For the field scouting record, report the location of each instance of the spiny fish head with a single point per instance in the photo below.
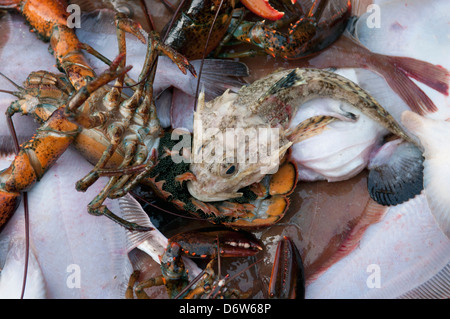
(219, 177)
(232, 148)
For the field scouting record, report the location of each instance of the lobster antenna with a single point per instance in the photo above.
(227, 278)
(12, 82)
(194, 281)
(148, 17)
(145, 78)
(25, 207)
(204, 54)
(27, 242)
(8, 92)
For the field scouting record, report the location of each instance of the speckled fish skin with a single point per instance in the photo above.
(269, 102)
(12, 273)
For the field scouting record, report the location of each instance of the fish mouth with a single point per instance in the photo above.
(211, 197)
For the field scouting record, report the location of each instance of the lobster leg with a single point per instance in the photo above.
(139, 289)
(49, 19)
(52, 138)
(203, 243)
(136, 111)
(123, 25)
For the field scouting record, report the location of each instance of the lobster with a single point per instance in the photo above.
(287, 278)
(304, 37)
(309, 34)
(49, 20)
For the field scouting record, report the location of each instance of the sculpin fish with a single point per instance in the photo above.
(231, 125)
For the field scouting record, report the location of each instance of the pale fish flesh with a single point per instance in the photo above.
(434, 135)
(400, 253)
(13, 249)
(80, 255)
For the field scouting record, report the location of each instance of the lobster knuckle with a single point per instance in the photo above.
(21, 173)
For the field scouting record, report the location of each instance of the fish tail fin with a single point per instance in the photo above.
(434, 76)
(133, 212)
(398, 72)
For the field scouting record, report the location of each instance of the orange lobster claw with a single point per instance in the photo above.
(263, 9)
(273, 200)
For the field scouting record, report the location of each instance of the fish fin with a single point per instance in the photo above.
(309, 127)
(133, 212)
(437, 287)
(434, 76)
(219, 75)
(409, 92)
(285, 82)
(153, 242)
(395, 173)
(373, 213)
(397, 72)
(7, 144)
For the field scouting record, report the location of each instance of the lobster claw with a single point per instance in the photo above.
(287, 280)
(263, 9)
(203, 243)
(272, 202)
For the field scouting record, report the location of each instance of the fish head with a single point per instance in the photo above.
(231, 152)
(223, 180)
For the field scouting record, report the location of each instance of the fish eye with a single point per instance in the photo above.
(228, 170)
